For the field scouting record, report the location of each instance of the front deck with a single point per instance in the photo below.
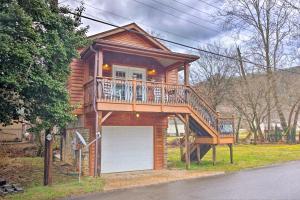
(119, 95)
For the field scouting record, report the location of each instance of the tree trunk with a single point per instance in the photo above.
(48, 158)
(176, 127)
(237, 134)
(277, 103)
(294, 127)
(259, 131)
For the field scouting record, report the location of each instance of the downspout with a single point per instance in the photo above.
(95, 108)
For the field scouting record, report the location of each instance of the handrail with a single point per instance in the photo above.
(203, 100)
(155, 82)
(149, 92)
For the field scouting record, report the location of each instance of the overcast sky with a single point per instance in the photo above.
(185, 21)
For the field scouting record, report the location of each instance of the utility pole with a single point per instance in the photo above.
(48, 158)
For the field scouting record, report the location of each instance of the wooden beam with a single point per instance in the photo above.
(100, 63)
(105, 117)
(231, 153)
(186, 74)
(198, 154)
(99, 166)
(180, 117)
(187, 142)
(213, 146)
(173, 66)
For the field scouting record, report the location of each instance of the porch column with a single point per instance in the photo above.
(213, 146)
(187, 142)
(100, 119)
(100, 62)
(198, 154)
(186, 74)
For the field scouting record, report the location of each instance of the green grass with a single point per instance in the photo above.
(29, 173)
(245, 156)
(88, 184)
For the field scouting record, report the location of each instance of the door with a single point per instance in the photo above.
(127, 148)
(129, 73)
(124, 89)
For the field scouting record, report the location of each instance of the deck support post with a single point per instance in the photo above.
(187, 142)
(100, 119)
(213, 146)
(231, 153)
(198, 154)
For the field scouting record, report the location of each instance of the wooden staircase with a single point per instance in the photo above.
(206, 129)
(206, 126)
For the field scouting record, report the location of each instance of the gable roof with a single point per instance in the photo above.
(137, 36)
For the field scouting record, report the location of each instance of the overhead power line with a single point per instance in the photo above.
(209, 4)
(130, 19)
(192, 7)
(173, 8)
(177, 17)
(176, 43)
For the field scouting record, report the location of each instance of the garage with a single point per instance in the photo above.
(127, 148)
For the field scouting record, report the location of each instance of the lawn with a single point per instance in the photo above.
(29, 173)
(245, 156)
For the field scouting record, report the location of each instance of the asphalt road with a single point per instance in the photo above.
(275, 182)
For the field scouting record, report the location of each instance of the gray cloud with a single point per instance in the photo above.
(180, 26)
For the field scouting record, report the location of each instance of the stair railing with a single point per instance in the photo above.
(202, 107)
(226, 126)
(145, 92)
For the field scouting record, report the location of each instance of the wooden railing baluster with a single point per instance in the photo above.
(119, 90)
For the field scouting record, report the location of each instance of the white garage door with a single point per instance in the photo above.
(127, 148)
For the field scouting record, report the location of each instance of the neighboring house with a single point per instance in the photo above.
(125, 86)
(175, 127)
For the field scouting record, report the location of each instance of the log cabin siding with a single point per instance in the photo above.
(132, 39)
(172, 76)
(75, 84)
(89, 123)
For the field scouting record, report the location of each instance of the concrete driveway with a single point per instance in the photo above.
(280, 182)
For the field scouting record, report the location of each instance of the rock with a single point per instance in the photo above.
(2, 181)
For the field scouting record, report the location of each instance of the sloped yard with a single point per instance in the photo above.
(28, 171)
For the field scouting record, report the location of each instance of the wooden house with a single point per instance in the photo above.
(125, 85)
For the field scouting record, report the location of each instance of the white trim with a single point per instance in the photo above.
(129, 71)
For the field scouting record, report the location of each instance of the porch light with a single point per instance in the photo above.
(137, 115)
(106, 67)
(151, 72)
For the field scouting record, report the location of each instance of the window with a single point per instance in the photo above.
(120, 74)
(138, 76)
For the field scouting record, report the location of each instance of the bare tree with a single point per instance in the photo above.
(212, 74)
(270, 35)
(248, 96)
